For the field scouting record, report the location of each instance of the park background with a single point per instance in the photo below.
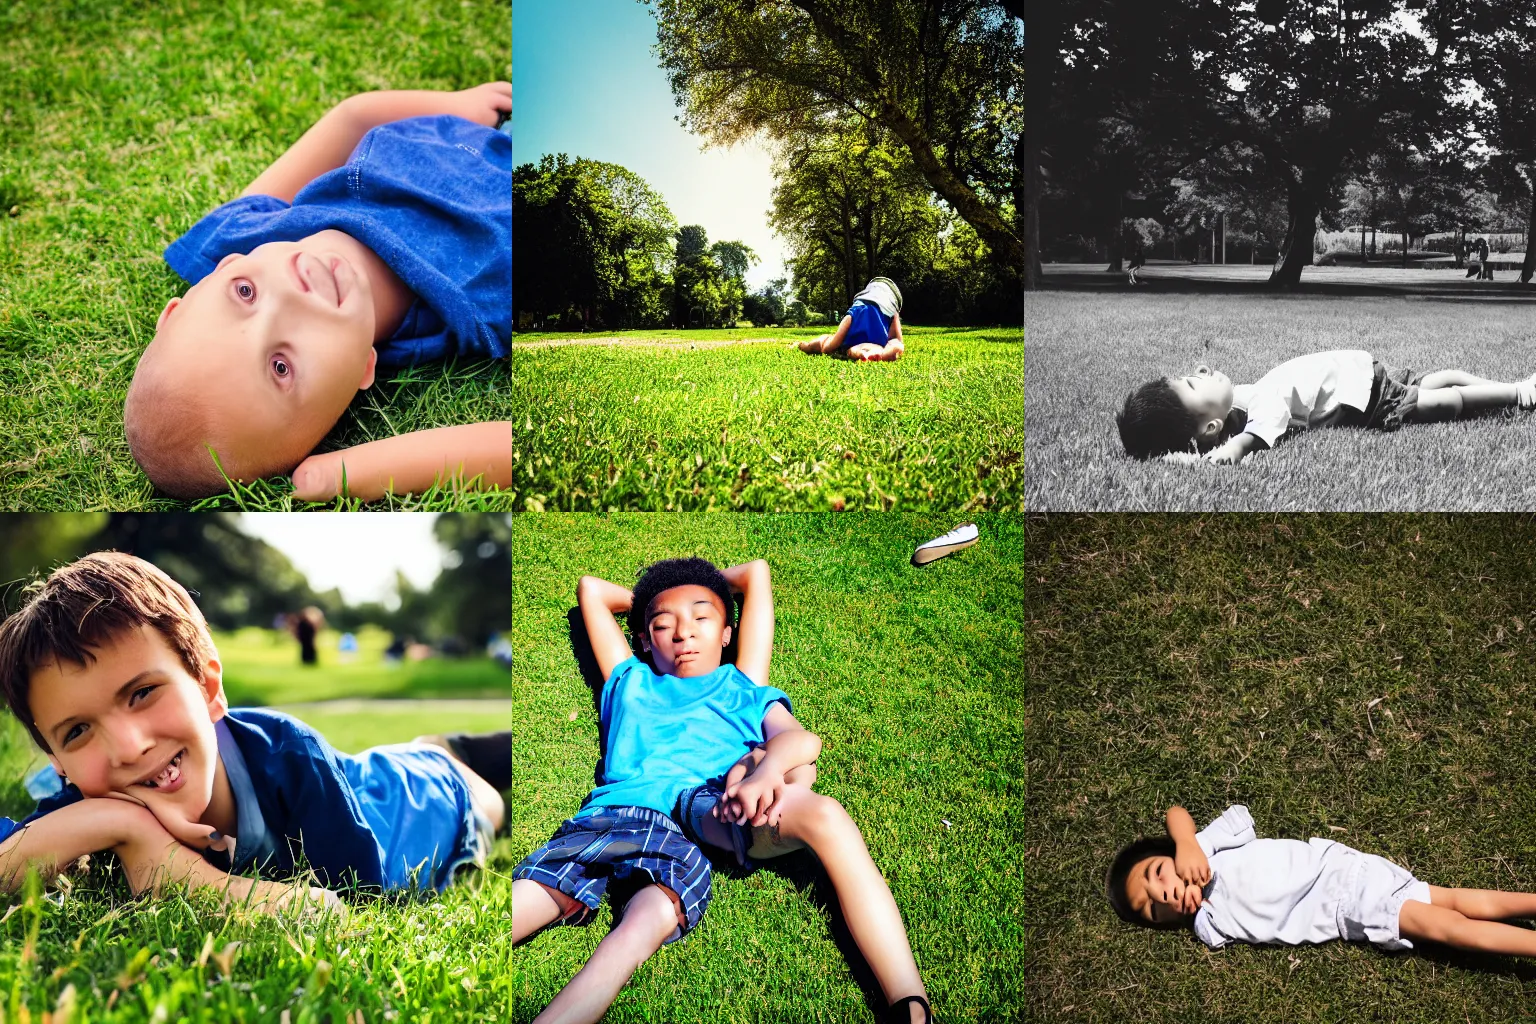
(912, 677)
(1299, 177)
(1359, 678)
(439, 583)
(698, 186)
(122, 122)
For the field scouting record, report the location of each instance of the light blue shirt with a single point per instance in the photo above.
(662, 734)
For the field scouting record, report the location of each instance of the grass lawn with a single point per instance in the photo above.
(123, 123)
(1086, 350)
(1361, 678)
(142, 960)
(664, 421)
(913, 679)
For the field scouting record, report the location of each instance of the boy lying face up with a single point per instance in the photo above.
(695, 752)
(381, 239)
(111, 668)
(1228, 885)
(1204, 413)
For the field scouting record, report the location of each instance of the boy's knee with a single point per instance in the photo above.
(654, 912)
(822, 815)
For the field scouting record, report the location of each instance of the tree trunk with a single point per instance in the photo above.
(1300, 232)
(1528, 266)
(1114, 239)
(1405, 250)
(1040, 70)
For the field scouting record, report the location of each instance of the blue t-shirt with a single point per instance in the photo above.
(432, 196)
(383, 818)
(662, 734)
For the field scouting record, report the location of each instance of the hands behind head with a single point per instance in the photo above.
(484, 104)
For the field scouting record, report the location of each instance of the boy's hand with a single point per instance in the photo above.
(188, 833)
(1193, 897)
(757, 797)
(484, 104)
(1191, 865)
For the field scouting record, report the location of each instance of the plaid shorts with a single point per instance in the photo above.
(631, 847)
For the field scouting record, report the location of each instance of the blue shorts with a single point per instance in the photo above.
(869, 325)
(630, 846)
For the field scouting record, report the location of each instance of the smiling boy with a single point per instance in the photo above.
(694, 751)
(1204, 411)
(111, 668)
(380, 240)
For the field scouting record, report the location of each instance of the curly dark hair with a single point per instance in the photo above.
(1120, 870)
(677, 572)
(1154, 422)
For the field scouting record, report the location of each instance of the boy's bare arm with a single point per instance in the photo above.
(754, 633)
(150, 855)
(410, 463)
(330, 140)
(755, 783)
(1189, 861)
(1233, 450)
(600, 601)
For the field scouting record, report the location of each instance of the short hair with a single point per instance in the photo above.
(89, 603)
(1154, 421)
(677, 572)
(167, 433)
(1120, 871)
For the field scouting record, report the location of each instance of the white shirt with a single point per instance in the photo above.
(1271, 890)
(881, 295)
(1305, 392)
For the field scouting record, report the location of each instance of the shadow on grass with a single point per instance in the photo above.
(1453, 290)
(1478, 963)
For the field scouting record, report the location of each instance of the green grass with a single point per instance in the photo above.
(261, 666)
(1085, 351)
(1364, 679)
(912, 677)
(130, 959)
(654, 423)
(123, 123)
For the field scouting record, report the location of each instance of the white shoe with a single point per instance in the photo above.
(962, 536)
(1525, 392)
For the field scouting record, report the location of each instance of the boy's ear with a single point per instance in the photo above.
(1212, 429)
(373, 357)
(213, 689)
(165, 313)
(725, 638)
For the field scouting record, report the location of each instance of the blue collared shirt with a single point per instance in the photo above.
(432, 196)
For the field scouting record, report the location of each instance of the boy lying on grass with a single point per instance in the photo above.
(381, 239)
(694, 752)
(871, 329)
(111, 668)
(1230, 886)
(1205, 412)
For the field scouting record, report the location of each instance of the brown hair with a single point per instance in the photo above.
(86, 604)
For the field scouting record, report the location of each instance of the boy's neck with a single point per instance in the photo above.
(221, 815)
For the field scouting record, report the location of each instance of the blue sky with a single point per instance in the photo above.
(585, 83)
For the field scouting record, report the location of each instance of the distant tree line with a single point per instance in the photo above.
(239, 580)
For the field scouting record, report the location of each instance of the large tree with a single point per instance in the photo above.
(1503, 59)
(851, 206)
(945, 77)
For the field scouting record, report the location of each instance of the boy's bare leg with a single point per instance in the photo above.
(650, 916)
(826, 344)
(535, 906)
(867, 351)
(1485, 904)
(1448, 927)
(1452, 378)
(1471, 400)
(868, 907)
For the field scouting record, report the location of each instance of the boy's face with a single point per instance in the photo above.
(1157, 893)
(1206, 393)
(686, 631)
(133, 722)
(282, 338)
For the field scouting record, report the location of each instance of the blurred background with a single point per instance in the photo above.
(372, 627)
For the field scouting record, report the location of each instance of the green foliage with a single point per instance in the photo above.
(707, 284)
(914, 687)
(946, 80)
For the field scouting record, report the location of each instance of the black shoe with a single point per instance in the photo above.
(488, 755)
(900, 1014)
